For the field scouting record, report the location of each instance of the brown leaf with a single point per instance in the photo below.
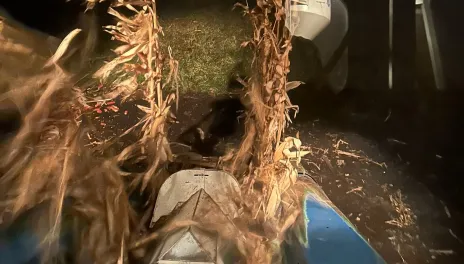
(295, 154)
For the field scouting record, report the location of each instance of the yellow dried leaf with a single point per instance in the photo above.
(166, 111)
(273, 202)
(171, 97)
(104, 71)
(133, 51)
(280, 70)
(288, 179)
(296, 143)
(289, 221)
(130, 7)
(293, 85)
(289, 142)
(295, 154)
(144, 109)
(279, 152)
(121, 49)
(90, 4)
(245, 43)
(63, 47)
(269, 87)
(278, 155)
(115, 13)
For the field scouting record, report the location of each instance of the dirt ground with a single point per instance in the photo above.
(368, 194)
(369, 185)
(399, 215)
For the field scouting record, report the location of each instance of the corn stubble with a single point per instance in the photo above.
(46, 163)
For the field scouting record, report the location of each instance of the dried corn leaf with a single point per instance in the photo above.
(127, 56)
(122, 18)
(288, 179)
(268, 117)
(63, 47)
(273, 202)
(295, 154)
(293, 85)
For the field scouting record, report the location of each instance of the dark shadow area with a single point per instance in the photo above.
(59, 17)
(56, 18)
(427, 135)
(450, 36)
(415, 123)
(190, 5)
(10, 118)
(418, 127)
(223, 121)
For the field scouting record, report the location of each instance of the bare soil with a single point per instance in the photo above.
(363, 175)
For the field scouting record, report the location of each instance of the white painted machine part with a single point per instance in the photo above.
(329, 40)
(195, 195)
(181, 186)
(325, 22)
(307, 18)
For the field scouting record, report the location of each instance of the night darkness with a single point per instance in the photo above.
(429, 122)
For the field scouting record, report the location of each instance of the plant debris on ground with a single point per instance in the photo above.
(48, 164)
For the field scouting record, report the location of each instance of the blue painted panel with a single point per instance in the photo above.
(332, 239)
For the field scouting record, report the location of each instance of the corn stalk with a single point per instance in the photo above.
(140, 56)
(265, 161)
